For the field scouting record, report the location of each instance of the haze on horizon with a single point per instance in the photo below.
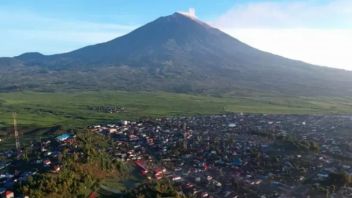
(313, 31)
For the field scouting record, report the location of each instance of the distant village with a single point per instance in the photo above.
(227, 156)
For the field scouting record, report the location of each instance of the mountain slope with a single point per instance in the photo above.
(179, 54)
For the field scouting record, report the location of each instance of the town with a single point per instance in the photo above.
(229, 155)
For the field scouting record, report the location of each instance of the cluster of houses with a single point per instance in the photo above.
(230, 155)
(235, 154)
(40, 157)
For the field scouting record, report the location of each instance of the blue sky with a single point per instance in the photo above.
(114, 11)
(315, 31)
(63, 25)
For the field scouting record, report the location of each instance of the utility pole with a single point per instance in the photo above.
(17, 138)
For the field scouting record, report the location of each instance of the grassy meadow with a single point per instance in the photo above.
(72, 109)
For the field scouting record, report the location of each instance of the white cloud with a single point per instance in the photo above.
(298, 14)
(317, 46)
(318, 33)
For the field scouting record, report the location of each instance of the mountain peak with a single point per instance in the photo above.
(191, 13)
(180, 15)
(185, 16)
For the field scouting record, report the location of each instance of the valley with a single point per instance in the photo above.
(39, 113)
(174, 108)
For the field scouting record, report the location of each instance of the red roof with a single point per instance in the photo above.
(141, 164)
(9, 194)
(92, 195)
(157, 170)
(158, 173)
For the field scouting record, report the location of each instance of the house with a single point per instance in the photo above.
(231, 125)
(142, 166)
(176, 178)
(237, 162)
(47, 162)
(56, 169)
(159, 173)
(63, 137)
(125, 122)
(112, 130)
(9, 194)
(92, 195)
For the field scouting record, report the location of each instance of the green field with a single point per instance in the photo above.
(36, 111)
(71, 109)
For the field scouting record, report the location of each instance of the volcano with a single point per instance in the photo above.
(175, 53)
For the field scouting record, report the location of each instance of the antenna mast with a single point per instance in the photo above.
(18, 146)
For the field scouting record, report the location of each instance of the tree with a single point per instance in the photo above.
(339, 179)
